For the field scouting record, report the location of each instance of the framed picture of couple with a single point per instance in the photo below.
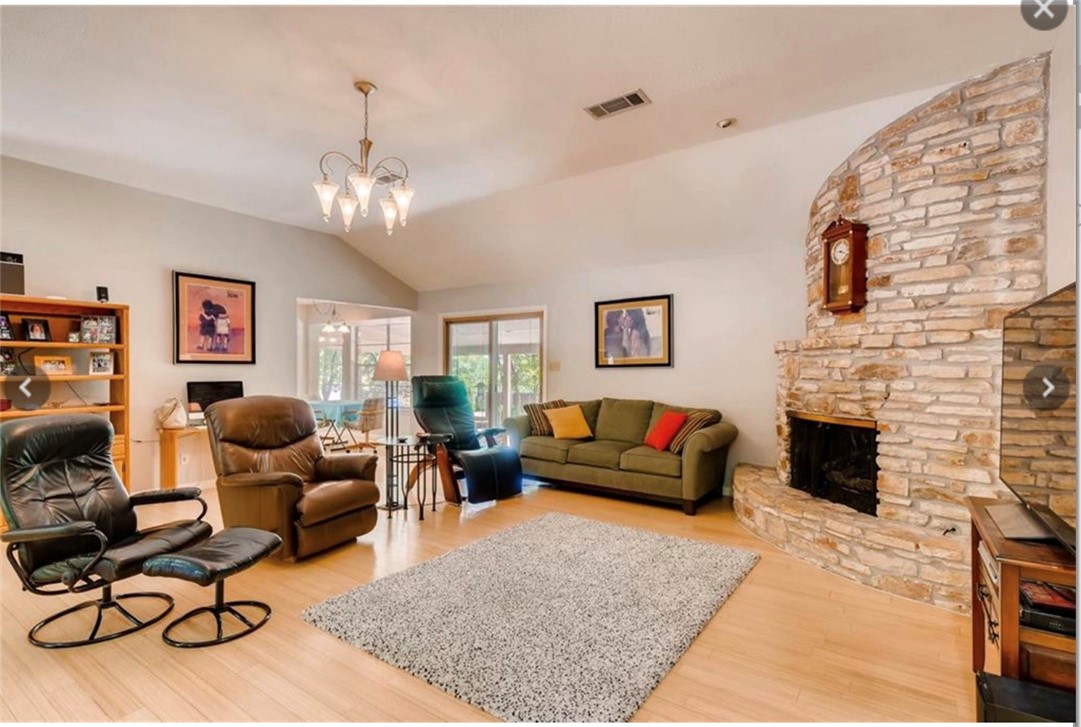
(633, 332)
(213, 319)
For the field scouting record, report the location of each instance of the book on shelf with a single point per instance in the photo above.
(1059, 600)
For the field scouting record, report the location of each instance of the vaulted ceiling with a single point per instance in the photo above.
(232, 106)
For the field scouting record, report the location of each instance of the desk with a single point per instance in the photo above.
(170, 449)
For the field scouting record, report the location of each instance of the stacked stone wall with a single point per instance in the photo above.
(954, 193)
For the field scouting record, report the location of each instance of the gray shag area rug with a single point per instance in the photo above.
(560, 619)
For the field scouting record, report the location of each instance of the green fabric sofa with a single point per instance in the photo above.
(616, 461)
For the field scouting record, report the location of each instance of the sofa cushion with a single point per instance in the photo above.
(549, 449)
(590, 409)
(649, 461)
(695, 420)
(661, 434)
(538, 423)
(568, 423)
(659, 410)
(601, 453)
(623, 420)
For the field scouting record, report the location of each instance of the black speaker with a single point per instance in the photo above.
(11, 273)
(999, 699)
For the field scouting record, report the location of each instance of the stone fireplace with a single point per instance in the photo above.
(953, 193)
(835, 459)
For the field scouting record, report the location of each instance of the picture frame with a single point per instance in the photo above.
(8, 365)
(633, 332)
(7, 331)
(36, 329)
(213, 319)
(54, 365)
(101, 363)
(98, 329)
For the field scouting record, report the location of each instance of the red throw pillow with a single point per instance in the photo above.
(664, 431)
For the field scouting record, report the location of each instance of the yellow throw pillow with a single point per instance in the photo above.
(568, 423)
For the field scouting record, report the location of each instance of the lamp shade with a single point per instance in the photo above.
(390, 367)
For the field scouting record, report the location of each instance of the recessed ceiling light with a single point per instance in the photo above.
(726, 122)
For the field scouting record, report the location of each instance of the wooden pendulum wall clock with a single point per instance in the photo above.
(844, 254)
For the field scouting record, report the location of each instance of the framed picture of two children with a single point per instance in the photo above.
(213, 319)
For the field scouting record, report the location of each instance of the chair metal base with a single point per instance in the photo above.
(219, 609)
(105, 603)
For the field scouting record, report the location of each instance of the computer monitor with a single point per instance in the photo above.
(1037, 456)
(204, 393)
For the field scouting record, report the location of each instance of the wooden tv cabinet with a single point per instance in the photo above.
(1001, 644)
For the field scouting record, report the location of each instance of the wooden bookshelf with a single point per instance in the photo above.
(64, 317)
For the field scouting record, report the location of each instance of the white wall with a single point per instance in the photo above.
(1062, 165)
(77, 232)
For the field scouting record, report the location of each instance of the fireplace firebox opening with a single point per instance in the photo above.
(835, 459)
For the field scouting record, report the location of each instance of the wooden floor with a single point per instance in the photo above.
(793, 643)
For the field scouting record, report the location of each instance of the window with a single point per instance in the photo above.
(372, 337)
(330, 366)
(500, 359)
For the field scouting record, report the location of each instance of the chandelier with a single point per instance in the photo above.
(335, 323)
(360, 180)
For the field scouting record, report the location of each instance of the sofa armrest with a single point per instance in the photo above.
(261, 479)
(517, 429)
(346, 467)
(712, 438)
(704, 458)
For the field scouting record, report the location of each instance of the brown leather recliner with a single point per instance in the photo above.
(273, 475)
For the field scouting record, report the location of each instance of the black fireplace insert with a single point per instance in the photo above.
(834, 461)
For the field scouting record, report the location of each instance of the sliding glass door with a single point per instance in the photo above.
(501, 360)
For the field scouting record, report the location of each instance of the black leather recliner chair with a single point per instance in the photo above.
(72, 524)
(491, 470)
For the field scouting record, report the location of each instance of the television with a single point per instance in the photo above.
(1038, 442)
(202, 394)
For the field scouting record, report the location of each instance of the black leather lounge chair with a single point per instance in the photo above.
(492, 471)
(72, 524)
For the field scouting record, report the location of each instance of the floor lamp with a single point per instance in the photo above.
(390, 369)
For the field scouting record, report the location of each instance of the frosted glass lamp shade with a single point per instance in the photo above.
(348, 205)
(362, 186)
(402, 197)
(390, 213)
(390, 367)
(325, 190)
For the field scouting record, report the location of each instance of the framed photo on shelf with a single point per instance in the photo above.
(213, 319)
(98, 329)
(8, 367)
(633, 332)
(7, 332)
(53, 365)
(36, 329)
(101, 363)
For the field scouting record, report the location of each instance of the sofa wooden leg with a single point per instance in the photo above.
(690, 507)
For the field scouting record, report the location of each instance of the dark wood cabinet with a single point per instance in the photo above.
(1001, 644)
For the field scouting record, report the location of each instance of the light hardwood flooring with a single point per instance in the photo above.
(793, 643)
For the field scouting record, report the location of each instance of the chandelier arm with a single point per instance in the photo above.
(383, 165)
(324, 164)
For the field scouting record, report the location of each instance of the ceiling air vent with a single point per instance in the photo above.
(620, 103)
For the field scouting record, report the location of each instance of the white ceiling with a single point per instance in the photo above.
(232, 106)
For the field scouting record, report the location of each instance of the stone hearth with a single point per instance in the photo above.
(954, 196)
